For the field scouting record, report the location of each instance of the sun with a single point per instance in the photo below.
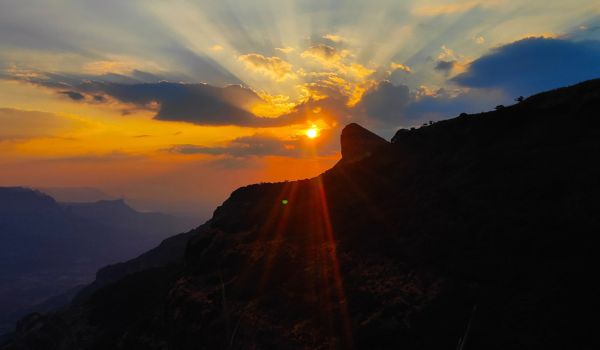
(312, 132)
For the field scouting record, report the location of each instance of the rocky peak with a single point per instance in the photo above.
(358, 143)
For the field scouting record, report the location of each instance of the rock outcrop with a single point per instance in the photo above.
(358, 143)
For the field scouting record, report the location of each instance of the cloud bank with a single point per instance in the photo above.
(533, 65)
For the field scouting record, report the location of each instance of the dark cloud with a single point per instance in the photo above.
(201, 104)
(388, 106)
(445, 66)
(73, 95)
(533, 65)
(258, 145)
(194, 103)
(386, 102)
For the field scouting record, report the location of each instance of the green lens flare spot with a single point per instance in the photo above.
(284, 202)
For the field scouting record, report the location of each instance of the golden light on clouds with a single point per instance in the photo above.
(437, 9)
(119, 64)
(272, 105)
(325, 54)
(400, 66)
(273, 67)
(334, 37)
(216, 48)
(286, 50)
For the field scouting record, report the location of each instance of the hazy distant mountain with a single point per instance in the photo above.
(76, 194)
(118, 214)
(47, 247)
(479, 232)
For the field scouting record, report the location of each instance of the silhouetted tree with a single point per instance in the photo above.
(499, 107)
(519, 99)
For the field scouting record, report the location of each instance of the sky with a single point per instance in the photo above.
(172, 104)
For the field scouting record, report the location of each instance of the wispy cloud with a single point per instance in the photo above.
(334, 37)
(399, 66)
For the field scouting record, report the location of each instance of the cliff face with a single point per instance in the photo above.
(488, 220)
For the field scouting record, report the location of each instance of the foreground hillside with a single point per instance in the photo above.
(478, 232)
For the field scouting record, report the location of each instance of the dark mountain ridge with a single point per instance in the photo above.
(478, 232)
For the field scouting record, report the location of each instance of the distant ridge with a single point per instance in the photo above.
(76, 194)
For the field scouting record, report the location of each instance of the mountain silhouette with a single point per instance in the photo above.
(47, 248)
(357, 143)
(76, 194)
(478, 232)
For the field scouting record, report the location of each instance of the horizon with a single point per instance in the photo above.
(173, 105)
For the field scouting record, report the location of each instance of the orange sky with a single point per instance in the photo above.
(175, 104)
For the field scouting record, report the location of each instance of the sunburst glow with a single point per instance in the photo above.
(312, 133)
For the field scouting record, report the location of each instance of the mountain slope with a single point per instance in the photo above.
(478, 232)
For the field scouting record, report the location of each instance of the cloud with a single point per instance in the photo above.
(343, 92)
(325, 54)
(399, 66)
(453, 8)
(201, 104)
(588, 30)
(440, 104)
(445, 66)
(216, 48)
(267, 144)
(446, 54)
(258, 145)
(195, 103)
(73, 95)
(532, 65)
(286, 49)
(334, 38)
(386, 102)
(337, 60)
(65, 37)
(273, 67)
